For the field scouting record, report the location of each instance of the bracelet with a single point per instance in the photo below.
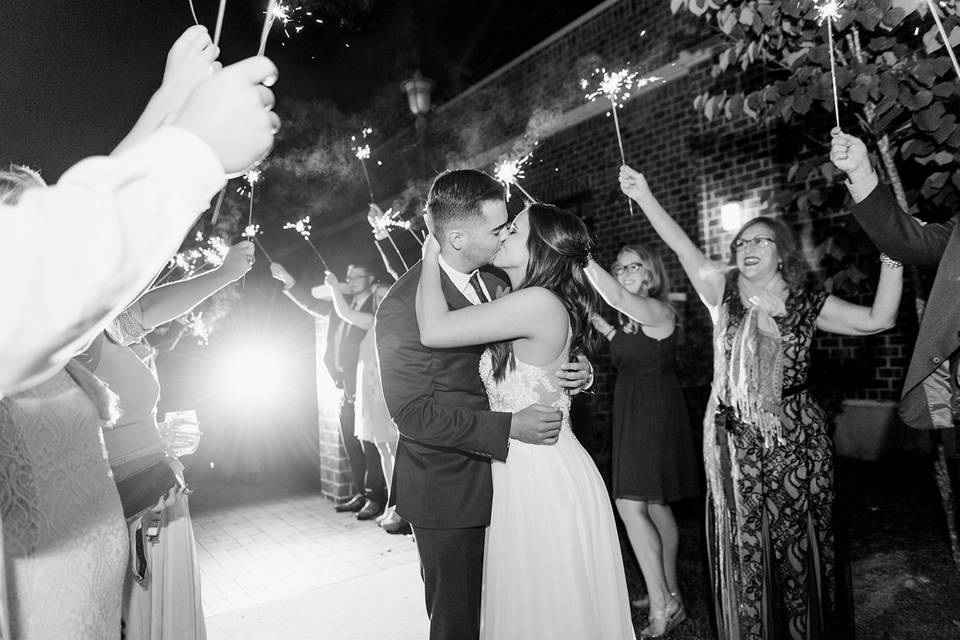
(890, 262)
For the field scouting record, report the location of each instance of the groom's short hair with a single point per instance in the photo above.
(459, 195)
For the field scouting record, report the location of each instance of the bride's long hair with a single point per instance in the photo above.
(559, 247)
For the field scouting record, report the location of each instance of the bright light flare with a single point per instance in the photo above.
(251, 231)
(252, 375)
(363, 153)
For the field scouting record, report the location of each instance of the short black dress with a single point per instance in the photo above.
(653, 449)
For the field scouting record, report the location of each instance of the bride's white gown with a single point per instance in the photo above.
(552, 567)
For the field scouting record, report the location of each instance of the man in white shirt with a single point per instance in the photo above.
(78, 252)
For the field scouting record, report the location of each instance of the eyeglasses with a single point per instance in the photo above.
(760, 241)
(620, 269)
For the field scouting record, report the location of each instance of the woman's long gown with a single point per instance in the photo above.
(65, 539)
(552, 568)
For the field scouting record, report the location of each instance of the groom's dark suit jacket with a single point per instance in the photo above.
(448, 435)
(925, 403)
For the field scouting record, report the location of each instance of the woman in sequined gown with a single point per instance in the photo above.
(767, 455)
(552, 567)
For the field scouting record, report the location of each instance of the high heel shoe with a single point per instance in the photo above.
(665, 620)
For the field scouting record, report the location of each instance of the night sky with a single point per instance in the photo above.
(75, 74)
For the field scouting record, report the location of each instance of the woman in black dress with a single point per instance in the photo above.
(653, 455)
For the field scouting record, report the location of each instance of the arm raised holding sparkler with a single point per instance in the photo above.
(707, 280)
(170, 301)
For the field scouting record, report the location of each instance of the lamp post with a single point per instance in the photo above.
(418, 91)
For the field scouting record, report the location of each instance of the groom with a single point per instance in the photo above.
(448, 435)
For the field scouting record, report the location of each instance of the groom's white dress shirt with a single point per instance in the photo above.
(462, 282)
(77, 253)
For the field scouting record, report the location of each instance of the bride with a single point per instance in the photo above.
(552, 566)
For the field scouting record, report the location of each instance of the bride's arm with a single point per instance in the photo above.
(518, 315)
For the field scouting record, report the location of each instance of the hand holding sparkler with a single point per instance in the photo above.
(191, 60)
(278, 271)
(634, 185)
(238, 260)
(849, 154)
(230, 112)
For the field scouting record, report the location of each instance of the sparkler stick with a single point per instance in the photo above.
(614, 86)
(193, 12)
(415, 236)
(303, 227)
(276, 10)
(216, 33)
(943, 36)
(829, 11)
(381, 224)
(267, 255)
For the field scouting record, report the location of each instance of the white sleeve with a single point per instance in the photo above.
(77, 253)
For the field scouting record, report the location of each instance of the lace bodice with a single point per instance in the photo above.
(525, 385)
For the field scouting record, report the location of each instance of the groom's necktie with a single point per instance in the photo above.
(475, 283)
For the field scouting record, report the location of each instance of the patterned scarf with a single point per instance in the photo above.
(753, 375)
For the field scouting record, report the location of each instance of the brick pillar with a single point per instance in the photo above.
(334, 465)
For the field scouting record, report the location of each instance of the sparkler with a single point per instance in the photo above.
(510, 172)
(381, 224)
(251, 232)
(193, 12)
(192, 260)
(943, 36)
(276, 10)
(303, 228)
(829, 12)
(363, 154)
(615, 86)
(216, 33)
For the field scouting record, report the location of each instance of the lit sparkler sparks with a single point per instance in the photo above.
(383, 221)
(363, 154)
(303, 228)
(510, 172)
(197, 327)
(829, 12)
(276, 10)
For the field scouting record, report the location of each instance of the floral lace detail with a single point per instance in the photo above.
(127, 328)
(64, 534)
(525, 385)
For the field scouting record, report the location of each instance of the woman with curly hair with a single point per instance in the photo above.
(767, 455)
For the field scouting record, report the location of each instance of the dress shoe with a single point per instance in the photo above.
(395, 524)
(370, 510)
(353, 504)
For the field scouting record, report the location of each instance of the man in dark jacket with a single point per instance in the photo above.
(351, 316)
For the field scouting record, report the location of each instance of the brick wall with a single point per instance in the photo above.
(692, 165)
